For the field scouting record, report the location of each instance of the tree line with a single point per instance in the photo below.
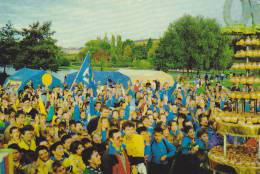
(192, 43)
(115, 52)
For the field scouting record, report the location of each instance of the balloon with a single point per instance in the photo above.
(47, 79)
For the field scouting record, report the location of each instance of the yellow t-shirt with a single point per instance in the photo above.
(135, 145)
(76, 162)
(44, 167)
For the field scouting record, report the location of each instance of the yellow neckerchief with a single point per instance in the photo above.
(23, 145)
(27, 110)
(43, 167)
(75, 161)
(12, 141)
(15, 105)
(119, 149)
(67, 152)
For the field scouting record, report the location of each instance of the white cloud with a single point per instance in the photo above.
(76, 21)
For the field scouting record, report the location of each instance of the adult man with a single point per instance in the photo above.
(162, 150)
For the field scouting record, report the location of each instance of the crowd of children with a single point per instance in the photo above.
(149, 128)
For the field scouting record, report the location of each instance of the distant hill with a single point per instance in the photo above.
(71, 50)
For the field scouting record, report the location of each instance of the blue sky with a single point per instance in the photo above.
(77, 21)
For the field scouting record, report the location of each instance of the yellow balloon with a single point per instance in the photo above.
(47, 79)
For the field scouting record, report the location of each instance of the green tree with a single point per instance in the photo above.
(139, 52)
(119, 47)
(37, 48)
(128, 42)
(113, 49)
(128, 52)
(99, 50)
(149, 44)
(8, 45)
(151, 51)
(106, 38)
(193, 43)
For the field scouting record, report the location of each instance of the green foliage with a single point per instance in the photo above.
(99, 49)
(62, 61)
(119, 46)
(128, 42)
(149, 44)
(151, 51)
(95, 45)
(8, 45)
(128, 53)
(37, 48)
(139, 52)
(193, 43)
(118, 53)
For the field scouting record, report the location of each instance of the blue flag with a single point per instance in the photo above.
(85, 73)
(76, 115)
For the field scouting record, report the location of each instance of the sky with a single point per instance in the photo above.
(78, 21)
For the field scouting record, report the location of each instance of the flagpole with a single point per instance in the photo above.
(78, 72)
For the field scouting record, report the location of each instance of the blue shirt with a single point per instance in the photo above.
(127, 112)
(147, 152)
(171, 116)
(104, 135)
(201, 144)
(187, 145)
(160, 149)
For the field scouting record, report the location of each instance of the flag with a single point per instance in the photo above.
(76, 114)
(50, 114)
(85, 73)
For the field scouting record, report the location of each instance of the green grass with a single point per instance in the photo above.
(69, 67)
